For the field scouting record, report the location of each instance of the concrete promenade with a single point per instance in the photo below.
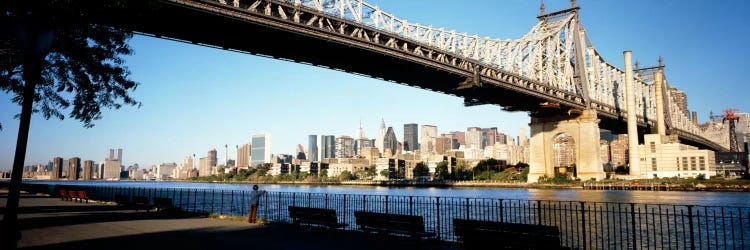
(50, 223)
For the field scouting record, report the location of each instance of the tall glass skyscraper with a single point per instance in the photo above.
(411, 139)
(261, 149)
(312, 148)
(328, 144)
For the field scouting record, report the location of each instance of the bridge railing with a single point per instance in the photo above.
(583, 225)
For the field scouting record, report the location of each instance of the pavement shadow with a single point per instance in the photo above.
(97, 216)
(273, 236)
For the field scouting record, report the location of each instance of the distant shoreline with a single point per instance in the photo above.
(689, 187)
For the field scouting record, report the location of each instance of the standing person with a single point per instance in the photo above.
(254, 199)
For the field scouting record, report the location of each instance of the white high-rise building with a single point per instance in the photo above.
(429, 133)
(113, 165)
(261, 149)
(381, 136)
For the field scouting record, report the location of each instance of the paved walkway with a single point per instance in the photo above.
(50, 223)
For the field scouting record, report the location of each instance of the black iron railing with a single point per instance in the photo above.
(583, 225)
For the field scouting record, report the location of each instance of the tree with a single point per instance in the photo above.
(346, 176)
(441, 171)
(385, 173)
(421, 171)
(56, 59)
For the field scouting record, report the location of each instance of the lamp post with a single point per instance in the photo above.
(34, 37)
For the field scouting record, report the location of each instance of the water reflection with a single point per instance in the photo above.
(619, 196)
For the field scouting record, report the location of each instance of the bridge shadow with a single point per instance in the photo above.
(272, 236)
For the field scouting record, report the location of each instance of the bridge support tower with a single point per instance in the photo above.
(583, 127)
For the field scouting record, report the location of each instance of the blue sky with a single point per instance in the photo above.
(197, 98)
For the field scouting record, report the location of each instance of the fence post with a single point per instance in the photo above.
(583, 223)
(386, 204)
(501, 209)
(410, 206)
(364, 202)
(437, 205)
(309, 199)
(231, 202)
(632, 224)
(326, 207)
(278, 214)
(467, 208)
(690, 223)
(538, 212)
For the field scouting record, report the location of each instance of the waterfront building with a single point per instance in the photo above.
(74, 166)
(212, 157)
(261, 149)
(328, 144)
(443, 144)
(361, 144)
(300, 154)
(564, 153)
(57, 166)
(204, 166)
(390, 142)
(522, 139)
(460, 137)
(411, 137)
(165, 171)
(312, 147)
(489, 136)
(427, 145)
(344, 147)
(112, 165)
(661, 157)
(474, 138)
(243, 156)
(604, 151)
(88, 170)
(618, 149)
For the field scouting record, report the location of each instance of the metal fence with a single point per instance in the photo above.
(583, 225)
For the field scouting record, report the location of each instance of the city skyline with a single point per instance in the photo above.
(188, 91)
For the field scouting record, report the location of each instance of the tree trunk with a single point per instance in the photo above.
(12, 233)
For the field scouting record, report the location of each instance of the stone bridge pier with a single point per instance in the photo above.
(582, 127)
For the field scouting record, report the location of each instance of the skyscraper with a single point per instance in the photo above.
(443, 144)
(243, 156)
(490, 136)
(57, 165)
(474, 138)
(411, 137)
(113, 165)
(429, 132)
(381, 136)
(328, 144)
(312, 147)
(74, 164)
(261, 149)
(300, 154)
(390, 142)
(344, 147)
(213, 161)
(88, 170)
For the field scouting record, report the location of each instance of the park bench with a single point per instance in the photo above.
(164, 204)
(315, 216)
(72, 195)
(64, 195)
(394, 224)
(122, 200)
(477, 234)
(140, 203)
(82, 195)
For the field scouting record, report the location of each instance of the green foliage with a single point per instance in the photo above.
(421, 171)
(701, 177)
(84, 71)
(346, 176)
(323, 173)
(441, 171)
(385, 173)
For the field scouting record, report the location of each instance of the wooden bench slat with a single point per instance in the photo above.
(317, 216)
(475, 233)
(411, 225)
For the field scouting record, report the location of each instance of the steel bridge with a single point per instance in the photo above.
(552, 69)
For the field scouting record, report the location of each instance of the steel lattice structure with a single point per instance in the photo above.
(555, 59)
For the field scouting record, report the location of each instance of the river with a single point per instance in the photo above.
(619, 196)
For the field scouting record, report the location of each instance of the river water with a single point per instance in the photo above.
(703, 198)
